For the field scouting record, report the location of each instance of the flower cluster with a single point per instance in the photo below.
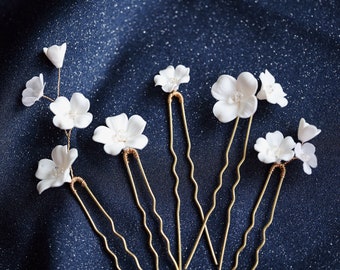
(276, 148)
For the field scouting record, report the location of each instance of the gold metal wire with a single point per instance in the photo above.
(126, 153)
(48, 98)
(154, 205)
(58, 87)
(214, 196)
(233, 192)
(180, 98)
(84, 185)
(282, 176)
(174, 163)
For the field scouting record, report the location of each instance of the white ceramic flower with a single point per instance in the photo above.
(236, 98)
(34, 90)
(121, 133)
(306, 153)
(56, 54)
(306, 131)
(271, 91)
(56, 172)
(170, 78)
(275, 148)
(73, 113)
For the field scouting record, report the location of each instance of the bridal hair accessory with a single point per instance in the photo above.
(280, 151)
(170, 79)
(68, 114)
(236, 98)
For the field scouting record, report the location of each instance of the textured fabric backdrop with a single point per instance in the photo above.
(115, 48)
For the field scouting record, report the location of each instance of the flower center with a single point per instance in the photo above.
(236, 98)
(121, 136)
(305, 157)
(269, 89)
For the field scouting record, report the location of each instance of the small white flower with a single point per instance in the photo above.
(34, 90)
(306, 131)
(275, 148)
(271, 91)
(56, 172)
(170, 78)
(73, 113)
(306, 153)
(121, 133)
(56, 54)
(236, 98)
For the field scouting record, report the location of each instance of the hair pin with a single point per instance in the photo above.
(169, 79)
(275, 149)
(236, 99)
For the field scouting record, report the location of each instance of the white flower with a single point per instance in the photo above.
(73, 113)
(271, 91)
(275, 148)
(306, 131)
(34, 90)
(56, 172)
(56, 54)
(306, 153)
(121, 133)
(170, 78)
(236, 98)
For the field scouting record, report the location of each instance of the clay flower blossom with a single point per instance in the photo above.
(275, 148)
(56, 54)
(73, 113)
(170, 78)
(306, 132)
(121, 133)
(271, 91)
(34, 90)
(236, 98)
(306, 153)
(56, 172)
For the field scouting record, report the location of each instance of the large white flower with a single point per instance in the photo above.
(271, 91)
(34, 90)
(56, 54)
(306, 153)
(306, 131)
(56, 172)
(121, 133)
(275, 148)
(236, 98)
(170, 78)
(73, 113)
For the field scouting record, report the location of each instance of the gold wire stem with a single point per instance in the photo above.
(233, 192)
(178, 207)
(214, 195)
(154, 206)
(192, 170)
(282, 176)
(68, 136)
(48, 98)
(58, 87)
(140, 207)
(245, 236)
(84, 185)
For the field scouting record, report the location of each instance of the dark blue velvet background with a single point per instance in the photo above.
(114, 50)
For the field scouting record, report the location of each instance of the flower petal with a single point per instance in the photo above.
(63, 122)
(224, 111)
(136, 126)
(46, 168)
(246, 84)
(59, 154)
(83, 120)
(56, 54)
(247, 107)
(169, 72)
(118, 122)
(306, 168)
(274, 138)
(79, 103)
(60, 106)
(306, 131)
(103, 134)
(182, 74)
(224, 87)
(137, 142)
(267, 78)
(114, 148)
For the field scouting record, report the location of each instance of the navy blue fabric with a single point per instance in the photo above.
(114, 50)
